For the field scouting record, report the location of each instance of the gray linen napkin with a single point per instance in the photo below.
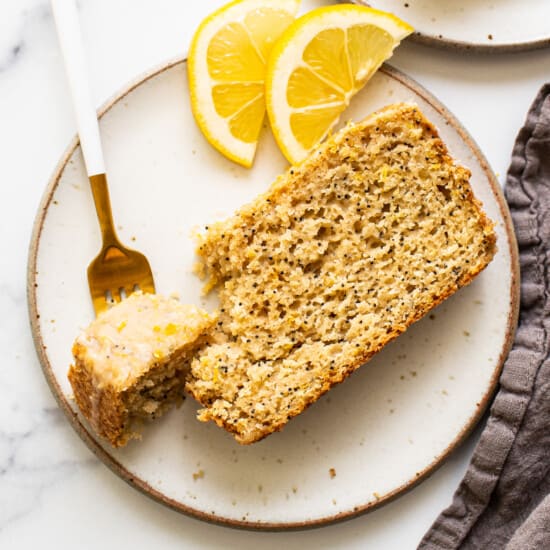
(503, 502)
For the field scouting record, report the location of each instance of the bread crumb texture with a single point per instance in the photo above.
(130, 363)
(335, 260)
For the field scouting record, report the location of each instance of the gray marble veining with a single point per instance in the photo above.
(20, 22)
(34, 459)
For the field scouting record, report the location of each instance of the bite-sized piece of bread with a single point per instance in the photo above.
(338, 258)
(130, 363)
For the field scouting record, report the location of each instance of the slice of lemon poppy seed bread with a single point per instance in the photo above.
(131, 362)
(335, 260)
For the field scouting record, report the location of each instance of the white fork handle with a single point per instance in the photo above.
(70, 39)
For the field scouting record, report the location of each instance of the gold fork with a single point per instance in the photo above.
(117, 271)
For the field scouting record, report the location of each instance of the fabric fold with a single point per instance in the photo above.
(503, 501)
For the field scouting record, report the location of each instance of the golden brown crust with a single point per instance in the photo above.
(419, 314)
(130, 363)
(103, 408)
(230, 252)
(330, 383)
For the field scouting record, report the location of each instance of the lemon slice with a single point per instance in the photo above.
(318, 64)
(226, 67)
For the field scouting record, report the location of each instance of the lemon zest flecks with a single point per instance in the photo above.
(170, 329)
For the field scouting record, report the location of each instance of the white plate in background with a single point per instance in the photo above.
(492, 25)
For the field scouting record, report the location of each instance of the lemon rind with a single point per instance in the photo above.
(290, 47)
(214, 127)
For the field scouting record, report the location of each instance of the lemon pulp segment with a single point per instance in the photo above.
(226, 67)
(320, 62)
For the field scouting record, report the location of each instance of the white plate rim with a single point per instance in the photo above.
(464, 45)
(141, 485)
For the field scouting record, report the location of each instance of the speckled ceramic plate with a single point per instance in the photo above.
(491, 25)
(367, 441)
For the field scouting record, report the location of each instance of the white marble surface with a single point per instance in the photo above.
(53, 492)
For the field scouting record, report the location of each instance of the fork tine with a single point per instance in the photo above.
(103, 302)
(130, 289)
(114, 280)
(147, 285)
(116, 297)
